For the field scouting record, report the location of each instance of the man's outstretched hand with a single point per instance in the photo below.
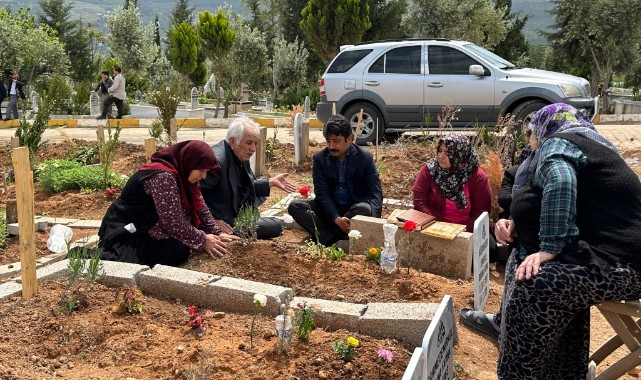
(280, 181)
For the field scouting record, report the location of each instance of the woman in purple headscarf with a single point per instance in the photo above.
(576, 212)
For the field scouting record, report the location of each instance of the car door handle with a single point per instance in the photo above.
(372, 83)
(435, 84)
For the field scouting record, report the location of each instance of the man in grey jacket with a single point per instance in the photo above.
(116, 94)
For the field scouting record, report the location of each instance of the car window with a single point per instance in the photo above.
(403, 60)
(347, 59)
(445, 60)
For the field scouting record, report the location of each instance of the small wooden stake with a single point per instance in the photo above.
(358, 126)
(24, 197)
(173, 131)
(11, 209)
(150, 147)
(261, 153)
(15, 142)
(304, 142)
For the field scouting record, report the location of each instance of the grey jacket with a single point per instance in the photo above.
(117, 88)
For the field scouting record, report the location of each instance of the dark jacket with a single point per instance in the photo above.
(3, 93)
(220, 188)
(361, 176)
(19, 91)
(101, 87)
(505, 193)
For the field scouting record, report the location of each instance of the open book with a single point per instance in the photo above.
(444, 230)
(421, 219)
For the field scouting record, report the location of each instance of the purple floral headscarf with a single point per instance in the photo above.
(559, 116)
(463, 161)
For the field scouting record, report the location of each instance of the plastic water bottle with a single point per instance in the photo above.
(388, 255)
(283, 326)
(59, 238)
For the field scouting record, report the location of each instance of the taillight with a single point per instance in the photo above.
(322, 87)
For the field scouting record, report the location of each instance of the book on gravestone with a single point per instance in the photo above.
(444, 230)
(421, 219)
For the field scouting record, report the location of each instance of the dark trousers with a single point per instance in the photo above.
(107, 106)
(142, 249)
(268, 228)
(328, 232)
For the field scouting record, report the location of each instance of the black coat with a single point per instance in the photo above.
(220, 188)
(361, 175)
(19, 91)
(3, 93)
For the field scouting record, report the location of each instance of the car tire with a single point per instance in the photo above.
(523, 113)
(367, 133)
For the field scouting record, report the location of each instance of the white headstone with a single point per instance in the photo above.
(306, 114)
(252, 162)
(94, 104)
(138, 95)
(210, 86)
(244, 92)
(34, 101)
(481, 259)
(438, 343)
(414, 369)
(298, 138)
(269, 105)
(194, 98)
(221, 93)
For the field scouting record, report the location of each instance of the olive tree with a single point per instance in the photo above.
(290, 65)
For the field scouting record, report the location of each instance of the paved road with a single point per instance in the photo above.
(624, 137)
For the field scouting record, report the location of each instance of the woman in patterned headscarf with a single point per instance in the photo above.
(577, 214)
(160, 215)
(452, 187)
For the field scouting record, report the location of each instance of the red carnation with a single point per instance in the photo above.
(409, 226)
(304, 191)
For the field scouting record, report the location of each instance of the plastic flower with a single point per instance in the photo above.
(192, 309)
(354, 234)
(288, 219)
(372, 251)
(260, 299)
(409, 226)
(304, 191)
(352, 342)
(385, 356)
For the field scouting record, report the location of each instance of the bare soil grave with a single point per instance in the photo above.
(145, 346)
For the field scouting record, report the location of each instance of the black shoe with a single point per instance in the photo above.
(101, 117)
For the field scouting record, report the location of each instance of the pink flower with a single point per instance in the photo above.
(192, 310)
(299, 305)
(385, 356)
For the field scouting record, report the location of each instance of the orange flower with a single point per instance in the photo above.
(372, 251)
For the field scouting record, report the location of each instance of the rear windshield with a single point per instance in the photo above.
(347, 59)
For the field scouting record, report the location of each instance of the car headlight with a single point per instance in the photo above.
(570, 91)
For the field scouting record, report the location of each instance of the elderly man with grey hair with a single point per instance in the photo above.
(235, 185)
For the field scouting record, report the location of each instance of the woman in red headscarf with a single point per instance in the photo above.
(160, 215)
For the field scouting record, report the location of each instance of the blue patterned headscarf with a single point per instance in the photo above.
(463, 162)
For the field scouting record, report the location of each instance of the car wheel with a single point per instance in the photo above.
(524, 111)
(367, 133)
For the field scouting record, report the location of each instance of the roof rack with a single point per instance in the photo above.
(401, 40)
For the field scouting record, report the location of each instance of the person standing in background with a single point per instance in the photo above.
(14, 91)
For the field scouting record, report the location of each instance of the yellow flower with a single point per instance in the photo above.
(372, 251)
(353, 342)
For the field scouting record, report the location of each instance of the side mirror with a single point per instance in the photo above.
(477, 70)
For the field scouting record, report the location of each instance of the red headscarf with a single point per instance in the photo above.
(180, 159)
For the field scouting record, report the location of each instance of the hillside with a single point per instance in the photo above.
(94, 11)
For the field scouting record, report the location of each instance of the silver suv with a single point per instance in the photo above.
(400, 85)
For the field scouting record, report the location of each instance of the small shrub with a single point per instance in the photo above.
(62, 175)
(167, 103)
(333, 253)
(246, 222)
(346, 349)
(128, 300)
(108, 154)
(80, 265)
(292, 97)
(30, 135)
(85, 155)
(304, 321)
(3, 229)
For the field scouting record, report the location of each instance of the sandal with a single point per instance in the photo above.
(477, 319)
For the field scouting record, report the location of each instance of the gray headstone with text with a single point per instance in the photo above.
(307, 108)
(194, 98)
(438, 343)
(94, 104)
(481, 260)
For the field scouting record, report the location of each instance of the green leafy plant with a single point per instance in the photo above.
(304, 321)
(259, 302)
(107, 151)
(128, 300)
(84, 155)
(80, 264)
(333, 253)
(3, 229)
(246, 222)
(62, 175)
(346, 349)
(167, 103)
(30, 135)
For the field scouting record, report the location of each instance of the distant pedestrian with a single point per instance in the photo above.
(3, 96)
(117, 94)
(103, 91)
(14, 91)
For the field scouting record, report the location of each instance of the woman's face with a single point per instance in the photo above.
(196, 175)
(443, 159)
(533, 141)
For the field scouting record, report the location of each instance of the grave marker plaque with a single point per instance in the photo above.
(306, 114)
(244, 92)
(481, 259)
(414, 370)
(194, 98)
(94, 104)
(298, 138)
(438, 343)
(34, 101)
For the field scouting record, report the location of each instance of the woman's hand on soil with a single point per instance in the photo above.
(214, 246)
(226, 228)
(530, 266)
(228, 237)
(503, 230)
